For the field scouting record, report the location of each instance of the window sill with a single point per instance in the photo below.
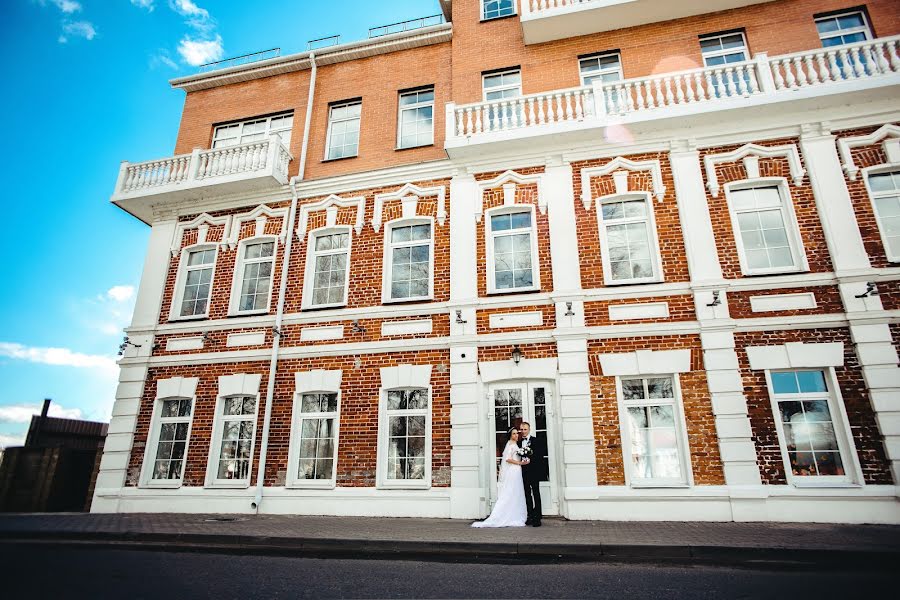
(633, 282)
(431, 145)
(670, 486)
(530, 290)
(492, 19)
(248, 313)
(805, 485)
(228, 485)
(189, 318)
(404, 485)
(770, 273)
(406, 300)
(160, 486)
(323, 306)
(331, 160)
(310, 485)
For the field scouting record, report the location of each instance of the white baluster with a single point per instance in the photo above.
(710, 86)
(790, 80)
(579, 111)
(670, 98)
(559, 108)
(729, 82)
(892, 54)
(822, 67)
(834, 69)
(660, 98)
(531, 117)
(881, 59)
(568, 101)
(639, 101)
(846, 70)
(811, 72)
(648, 94)
(801, 74)
(479, 121)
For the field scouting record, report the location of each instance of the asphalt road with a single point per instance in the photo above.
(60, 572)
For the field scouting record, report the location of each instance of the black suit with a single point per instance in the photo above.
(532, 475)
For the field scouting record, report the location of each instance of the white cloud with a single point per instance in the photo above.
(67, 6)
(82, 29)
(21, 413)
(198, 52)
(121, 293)
(148, 4)
(62, 357)
(187, 8)
(8, 441)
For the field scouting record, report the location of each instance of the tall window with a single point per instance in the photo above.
(416, 120)
(844, 28)
(343, 130)
(507, 84)
(406, 419)
(409, 265)
(811, 440)
(767, 236)
(885, 191)
(492, 9)
(234, 439)
(721, 49)
(254, 130)
(628, 238)
(197, 278)
(174, 424)
(329, 258)
(512, 261)
(257, 265)
(654, 444)
(317, 425)
(605, 67)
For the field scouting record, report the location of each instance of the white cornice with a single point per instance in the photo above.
(426, 171)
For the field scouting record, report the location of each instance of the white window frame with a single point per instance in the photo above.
(331, 123)
(215, 447)
(401, 108)
(603, 71)
(684, 455)
(515, 11)
(309, 276)
(297, 417)
(517, 86)
(181, 278)
(269, 132)
(234, 306)
(840, 422)
(716, 53)
(156, 422)
(866, 27)
(382, 479)
(387, 267)
(879, 170)
(489, 248)
(650, 220)
(791, 227)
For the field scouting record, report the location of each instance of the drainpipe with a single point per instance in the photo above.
(282, 288)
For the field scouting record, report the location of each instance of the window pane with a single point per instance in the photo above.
(812, 381)
(785, 383)
(633, 389)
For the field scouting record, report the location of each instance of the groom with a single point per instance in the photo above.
(533, 473)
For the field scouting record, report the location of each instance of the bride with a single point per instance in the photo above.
(509, 511)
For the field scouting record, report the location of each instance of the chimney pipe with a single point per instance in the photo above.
(46, 407)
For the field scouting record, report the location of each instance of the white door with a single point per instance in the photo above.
(510, 404)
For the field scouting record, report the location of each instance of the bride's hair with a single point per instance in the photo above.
(510, 432)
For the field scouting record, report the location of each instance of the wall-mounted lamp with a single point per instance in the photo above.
(716, 300)
(125, 343)
(516, 354)
(459, 319)
(207, 335)
(569, 311)
(357, 328)
(871, 290)
(276, 332)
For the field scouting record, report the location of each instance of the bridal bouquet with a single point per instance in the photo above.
(524, 453)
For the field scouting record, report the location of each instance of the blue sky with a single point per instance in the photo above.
(86, 87)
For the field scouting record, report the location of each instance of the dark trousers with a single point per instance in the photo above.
(533, 499)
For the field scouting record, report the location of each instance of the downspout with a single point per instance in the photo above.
(282, 289)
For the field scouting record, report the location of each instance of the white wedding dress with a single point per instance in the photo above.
(510, 510)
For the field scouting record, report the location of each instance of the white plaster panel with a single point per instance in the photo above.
(123, 424)
(575, 407)
(578, 452)
(461, 395)
(109, 479)
(870, 333)
(184, 343)
(239, 384)
(888, 423)
(563, 346)
(711, 340)
(796, 355)
(463, 354)
(729, 403)
(724, 359)
(248, 338)
(573, 363)
(581, 475)
(522, 319)
(132, 374)
(882, 377)
(126, 406)
(404, 376)
(114, 460)
(650, 310)
(724, 381)
(317, 334)
(646, 362)
(318, 380)
(406, 327)
(884, 400)
(465, 478)
(118, 442)
(577, 429)
(464, 457)
(877, 353)
(774, 302)
(463, 414)
(129, 389)
(177, 387)
(464, 435)
(528, 368)
(463, 373)
(575, 385)
(734, 426)
(741, 473)
(737, 450)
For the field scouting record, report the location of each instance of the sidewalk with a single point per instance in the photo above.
(856, 546)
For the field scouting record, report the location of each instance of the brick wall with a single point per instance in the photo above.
(828, 301)
(548, 313)
(681, 308)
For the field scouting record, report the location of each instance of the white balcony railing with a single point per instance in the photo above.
(203, 168)
(696, 90)
(539, 6)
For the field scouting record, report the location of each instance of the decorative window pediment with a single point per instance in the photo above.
(889, 135)
(201, 223)
(508, 181)
(409, 195)
(330, 205)
(750, 154)
(260, 216)
(619, 167)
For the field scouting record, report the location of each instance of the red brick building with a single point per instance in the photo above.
(667, 234)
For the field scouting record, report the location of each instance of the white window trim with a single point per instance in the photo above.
(331, 122)
(484, 90)
(268, 132)
(150, 450)
(582, 75)
(513, 13)
(401, 108)
(212, 463)
(846, 443)
(310, 268)
(651, 232)
(489, 248)
(716, 53)
(387, 267)
(792, 228)
(684, 454)
(178, 291)
(382, 481)
(875, 170)
(292, 480)
(238, 277)
(866, 28)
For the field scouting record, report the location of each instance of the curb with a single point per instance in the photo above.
(437, 551)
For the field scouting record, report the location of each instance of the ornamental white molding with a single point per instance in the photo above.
(405, 376)
(645, 362)
(202, 223)
(409, 195)
(239, 384)
(508, 180)
(527, 368)
(889, 134)
(618, 166)
(330, 205)
(177, 387)
(318, 380)
(750, 154)
(260, 215)
(795, 355)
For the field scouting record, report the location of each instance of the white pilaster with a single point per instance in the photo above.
(579, 460)
(463, 266)
(557, 187)
(467, 495)
(148, 303)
